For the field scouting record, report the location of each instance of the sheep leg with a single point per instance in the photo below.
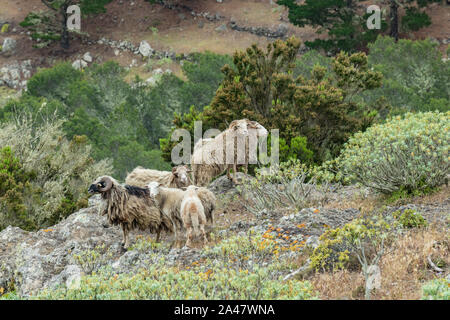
(202, 230)
(229, 173)
(189, 237)
(234, 173)
(158, 236)
(125, 242)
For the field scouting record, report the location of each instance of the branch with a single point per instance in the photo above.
(47, 3)
(436, 268)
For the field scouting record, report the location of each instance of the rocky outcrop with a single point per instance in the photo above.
(16, 74)
(30, 261)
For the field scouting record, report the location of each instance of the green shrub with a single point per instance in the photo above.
(415, 77)
(409, 153)
(410, 219)
(47, 178)
(355, 245)
(438, 289)
(159, 281)
(14, 185)
(292, 185)
(414, 19)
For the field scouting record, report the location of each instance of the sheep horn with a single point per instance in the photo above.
(108, 185)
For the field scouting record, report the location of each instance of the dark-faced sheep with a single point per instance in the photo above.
(193, 215)
(177, 178)
(130, 207)
(228, 150)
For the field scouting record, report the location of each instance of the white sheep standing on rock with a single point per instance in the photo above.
(211, 156)
(177, 178)
(193, 215)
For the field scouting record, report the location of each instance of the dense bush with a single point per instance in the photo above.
(415, 78)
(414, 19)
(355, 245)
(14, 184)
(44, 175)
(407, 153)
(410, 219)
(161, 282)
(121, 122)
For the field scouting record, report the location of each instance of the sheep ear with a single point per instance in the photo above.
(183, 188)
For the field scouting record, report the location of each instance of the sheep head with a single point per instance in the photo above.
(153, 187)
(260, 130)
(181, 175)
(101, 185)
(239, 127)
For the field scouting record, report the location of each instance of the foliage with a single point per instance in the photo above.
(308, 61)
(363, 237)
(346, 28)
(45, 173)
(204, 77)
(120, 121)
(51, 25)
(260, 87)
(290, 185)
(410, 219)
(233, 269)
(92, 260)
(14, 184)
(415, 76)
(409, 152)
(414, 19)
(437, 289)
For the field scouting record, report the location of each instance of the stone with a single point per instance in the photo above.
(87, 57)
(222, 28)
(79, 64)
(9, 45)
(145, 49)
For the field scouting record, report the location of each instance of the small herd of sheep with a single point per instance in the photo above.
(169, 201)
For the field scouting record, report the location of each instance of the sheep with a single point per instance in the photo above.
(169, 201)
(177, 178)
(209, 157)
(130, 207)
(193, 215)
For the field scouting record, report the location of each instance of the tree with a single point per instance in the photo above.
(260, 86)
(51, 25)
(414, 19)
(345, 27)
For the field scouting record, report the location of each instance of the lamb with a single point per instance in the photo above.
(193, 215)
(169, 201)
(177, 178)
(209, 157)
(130, 207)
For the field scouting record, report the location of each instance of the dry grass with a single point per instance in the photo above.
(404, 269)
(339, 285)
